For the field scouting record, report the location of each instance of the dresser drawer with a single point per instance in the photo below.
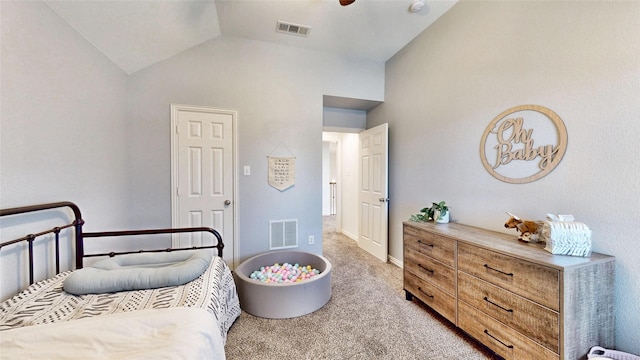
(429, 244)
(437, 299)
(530, 280)
(502, 339)
(532, 320)
(431, 271)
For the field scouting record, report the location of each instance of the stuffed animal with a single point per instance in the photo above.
(529, 230)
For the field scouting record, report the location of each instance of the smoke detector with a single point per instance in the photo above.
(416, 6)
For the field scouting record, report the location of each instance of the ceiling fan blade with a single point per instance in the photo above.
(346, 2)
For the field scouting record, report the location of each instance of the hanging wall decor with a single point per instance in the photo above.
(523, 144)
(282, 170)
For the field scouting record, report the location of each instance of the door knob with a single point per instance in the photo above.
(227, 202)
(383, 199)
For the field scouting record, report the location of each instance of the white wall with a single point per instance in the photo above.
(580, 59)
(344, 120)
(277, 92)
(350, 180)
(63, 118)
(62, 127)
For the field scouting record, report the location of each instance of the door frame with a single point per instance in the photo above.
(175, 221)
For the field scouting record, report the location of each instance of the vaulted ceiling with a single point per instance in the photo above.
(135, 34)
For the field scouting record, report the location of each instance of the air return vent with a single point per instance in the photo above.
(283, 234)
(293, 29)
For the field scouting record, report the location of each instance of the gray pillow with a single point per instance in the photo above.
(138, 271)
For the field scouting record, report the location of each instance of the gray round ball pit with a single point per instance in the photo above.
(283, 300)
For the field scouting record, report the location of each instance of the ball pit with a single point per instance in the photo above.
(283, 299)
(284, 273)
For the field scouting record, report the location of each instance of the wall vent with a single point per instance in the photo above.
(292, 29)
(283, 234)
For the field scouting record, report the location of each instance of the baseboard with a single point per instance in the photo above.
(395, 261)
(349, 235)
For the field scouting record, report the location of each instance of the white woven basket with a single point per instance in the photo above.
(567, 238)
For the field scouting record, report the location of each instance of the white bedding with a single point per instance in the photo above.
(177, 333)
(46, 302)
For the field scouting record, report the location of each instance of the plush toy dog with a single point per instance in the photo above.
(529, 230)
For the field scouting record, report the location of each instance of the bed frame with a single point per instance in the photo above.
(79, 235)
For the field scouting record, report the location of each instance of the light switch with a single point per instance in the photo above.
(247, 170)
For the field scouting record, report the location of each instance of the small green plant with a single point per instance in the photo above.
(423, 216)
(441, 208)
(427, 214)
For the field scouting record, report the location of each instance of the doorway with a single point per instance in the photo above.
(340, 165)
(357, 164)
(343, 120)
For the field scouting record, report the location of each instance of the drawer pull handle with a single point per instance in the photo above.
(424, 243)
(422, 291)
(426, 269)
(494, 304)
(501, 272)
(498, 340)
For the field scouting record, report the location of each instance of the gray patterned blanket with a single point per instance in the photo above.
(46, 302)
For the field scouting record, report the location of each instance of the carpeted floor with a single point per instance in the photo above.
(366, 318)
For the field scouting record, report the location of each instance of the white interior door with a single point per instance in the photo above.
(202, 169)
(373, 199)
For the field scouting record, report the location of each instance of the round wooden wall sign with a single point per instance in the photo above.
(523, 144)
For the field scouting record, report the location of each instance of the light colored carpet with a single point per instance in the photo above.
(366, 318)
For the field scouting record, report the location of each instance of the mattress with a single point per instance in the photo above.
(46, 302)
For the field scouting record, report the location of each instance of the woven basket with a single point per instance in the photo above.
(567, 238)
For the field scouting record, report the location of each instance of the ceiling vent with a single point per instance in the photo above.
(293, 29)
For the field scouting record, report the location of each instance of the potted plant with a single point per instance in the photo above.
(438, 212)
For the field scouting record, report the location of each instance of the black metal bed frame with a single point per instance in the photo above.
(79, 235)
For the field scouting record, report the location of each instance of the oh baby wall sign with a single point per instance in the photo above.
(523, 144)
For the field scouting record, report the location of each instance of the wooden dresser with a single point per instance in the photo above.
(516, 298)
